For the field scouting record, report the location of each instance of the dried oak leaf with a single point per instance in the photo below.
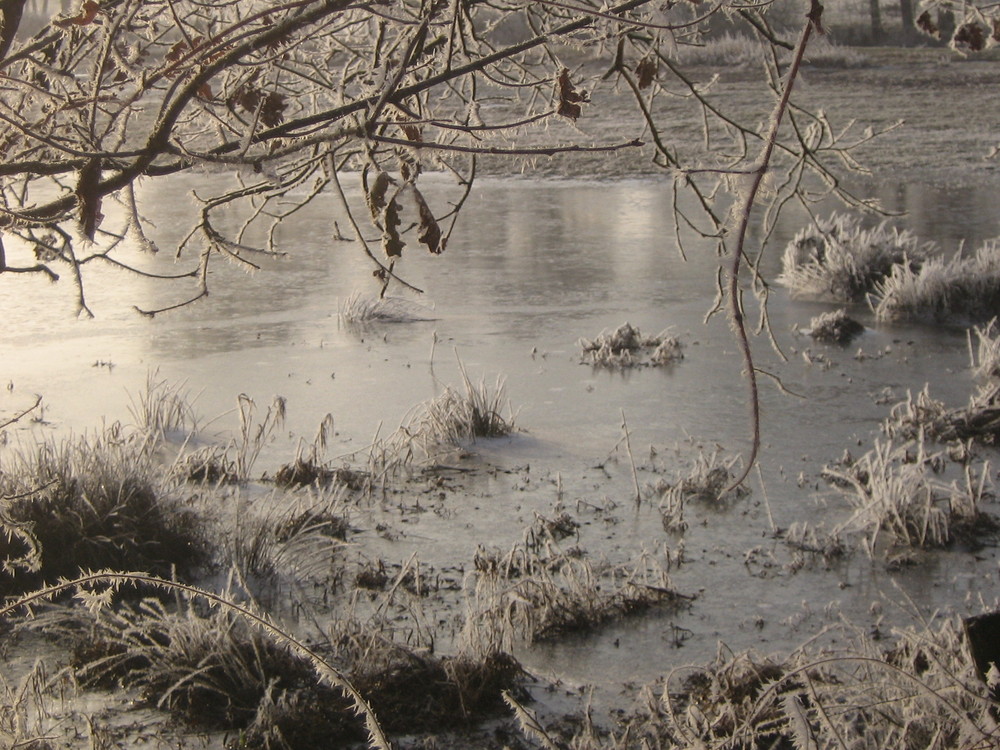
(376, 193)
(927, 25)
(646, 72)
(392, 243)
(970, 35)
(87, 14)
(996, 29)
(569, 97)
(412, 132)
(428, 231)
(272, 110)
(88, 196)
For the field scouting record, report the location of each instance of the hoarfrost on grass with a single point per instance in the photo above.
(627, 347)
(838, 259)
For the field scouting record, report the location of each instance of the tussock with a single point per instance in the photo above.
(627, 347)
(835, 327)
(837, 259)
(360, 309)
(919, 691)
(530, 596)
(898, 499)
(91, 503)
(956, 289)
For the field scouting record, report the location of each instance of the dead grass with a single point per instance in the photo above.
(957, 289)
(838, 259)
(360, 309)
(93, 503)
(532, 596)
(627, 347)
(899, 502)
(835, 327)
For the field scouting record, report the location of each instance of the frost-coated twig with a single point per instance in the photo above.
(735, 299)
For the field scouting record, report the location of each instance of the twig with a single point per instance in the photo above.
(628, 449)
(17, 418)
(735, 297)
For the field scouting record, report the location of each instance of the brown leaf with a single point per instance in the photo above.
(272, 111)
(927, 25)
(646, 72)
(88, 197)
(970, 35)
(392, 243)
(428, 231)
(996, 29)
(569, 97)
(376, 193)
(87, 14)
(412, 132)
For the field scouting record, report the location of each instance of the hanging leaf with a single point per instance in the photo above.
(88, 197)
(428, 230)
(392, 243)
(927, 25)
(376, 193)
(272, 110)
(86, 16)
(970, 35)
(569, 97)
(646, 72)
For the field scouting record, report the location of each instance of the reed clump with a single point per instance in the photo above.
(361, 309)
(897, 499)
(627, 347)
(959, 288)
(836, 258)
(212, 669)
(93, 503)
(535, 596)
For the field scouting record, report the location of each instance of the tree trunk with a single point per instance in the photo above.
(10, 20)
(876, 11)
(906, 12)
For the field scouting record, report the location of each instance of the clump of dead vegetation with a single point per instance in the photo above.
(963, 288)
(978, 421)
(363, 309)
(443, 425)
(90, 503)
(898, 499)
(918, 689)
(218, 664)
(838, 259)
(534, 593)
(708, 480)
(835, 327)
(627, 347)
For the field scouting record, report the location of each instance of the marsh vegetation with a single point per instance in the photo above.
(530, 556)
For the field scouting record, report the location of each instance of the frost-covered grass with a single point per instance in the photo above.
(90, 503)
(835, 327)
(838, 259)
(627, 347)
(898, 499)
(959, 288)
(359, 309)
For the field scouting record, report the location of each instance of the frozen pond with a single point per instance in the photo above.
(534, 266)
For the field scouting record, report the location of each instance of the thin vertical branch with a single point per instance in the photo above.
(757, 177)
